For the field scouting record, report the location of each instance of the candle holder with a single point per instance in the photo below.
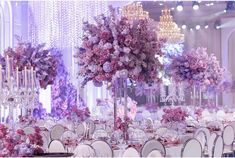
(18, 89)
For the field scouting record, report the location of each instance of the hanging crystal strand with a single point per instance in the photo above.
(194, 96)
(162, 93)
(216, 99)
(200, 96)
(181, 93)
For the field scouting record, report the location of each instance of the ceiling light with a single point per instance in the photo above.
(160, 3)
(230, 6)
(198, 27)
(206, 26)
(191, 29)
(172, 8)
(183, 26)
(179, 6)
(225, 11)
(209, 4)
(217, 24)
(195, 5)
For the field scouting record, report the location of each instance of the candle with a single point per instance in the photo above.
(25, 77)
(0, 77)
(17, 77)
(8, 69)
(29, 77)
(32, 77)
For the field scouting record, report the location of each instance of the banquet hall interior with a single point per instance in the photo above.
(99, 78)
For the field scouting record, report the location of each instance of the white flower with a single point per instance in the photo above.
(94, 39)
(108, 46)
(126, 50)
(116, 53)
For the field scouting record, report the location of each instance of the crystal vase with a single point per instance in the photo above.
(120, 100)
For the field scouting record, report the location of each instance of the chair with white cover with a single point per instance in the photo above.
(161, 131)
(201, 137)
(45, 140)
(100, 133)
(207, 132)
(84, 150)
(56, 146)
(218, 147)
(29, 130)
(131, 152)
(192, 148)
(80, 130)
(57, 131)
(228, 138)
(91, 126)
(138, 135)
(151, 145)
(210, 145)
(155, 153)
(68, 134)
(102, 149)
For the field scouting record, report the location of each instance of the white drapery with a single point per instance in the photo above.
(59, 24)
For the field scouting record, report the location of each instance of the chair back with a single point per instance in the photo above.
(207, 132)
(131, 152)
(211, 143)
(100, 133)
(228, 135)
(218, 147)
(84, 150)
(80, 130)
(29, 130)
(192, 148)
(201, 137)
(155, 153)
(56, 146)
(151, 145)
(56, 132)
(102, 149)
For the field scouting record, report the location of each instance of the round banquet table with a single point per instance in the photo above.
(54, 155)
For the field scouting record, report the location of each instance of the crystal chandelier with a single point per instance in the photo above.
(168, 29)
(134, 11)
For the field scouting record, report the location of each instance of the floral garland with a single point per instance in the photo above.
(64, 98)
(43, 60)
(114, 44)
(13, 143)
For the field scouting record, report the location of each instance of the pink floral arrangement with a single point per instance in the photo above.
(191, 67)
(13, 142)
(172, 115)
(43, 60)
(214, 73)
(115, 43)
(123, 124)
(78, 114)
(26, 120)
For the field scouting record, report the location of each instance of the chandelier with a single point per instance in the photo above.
(168, 29)
(134, 11)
